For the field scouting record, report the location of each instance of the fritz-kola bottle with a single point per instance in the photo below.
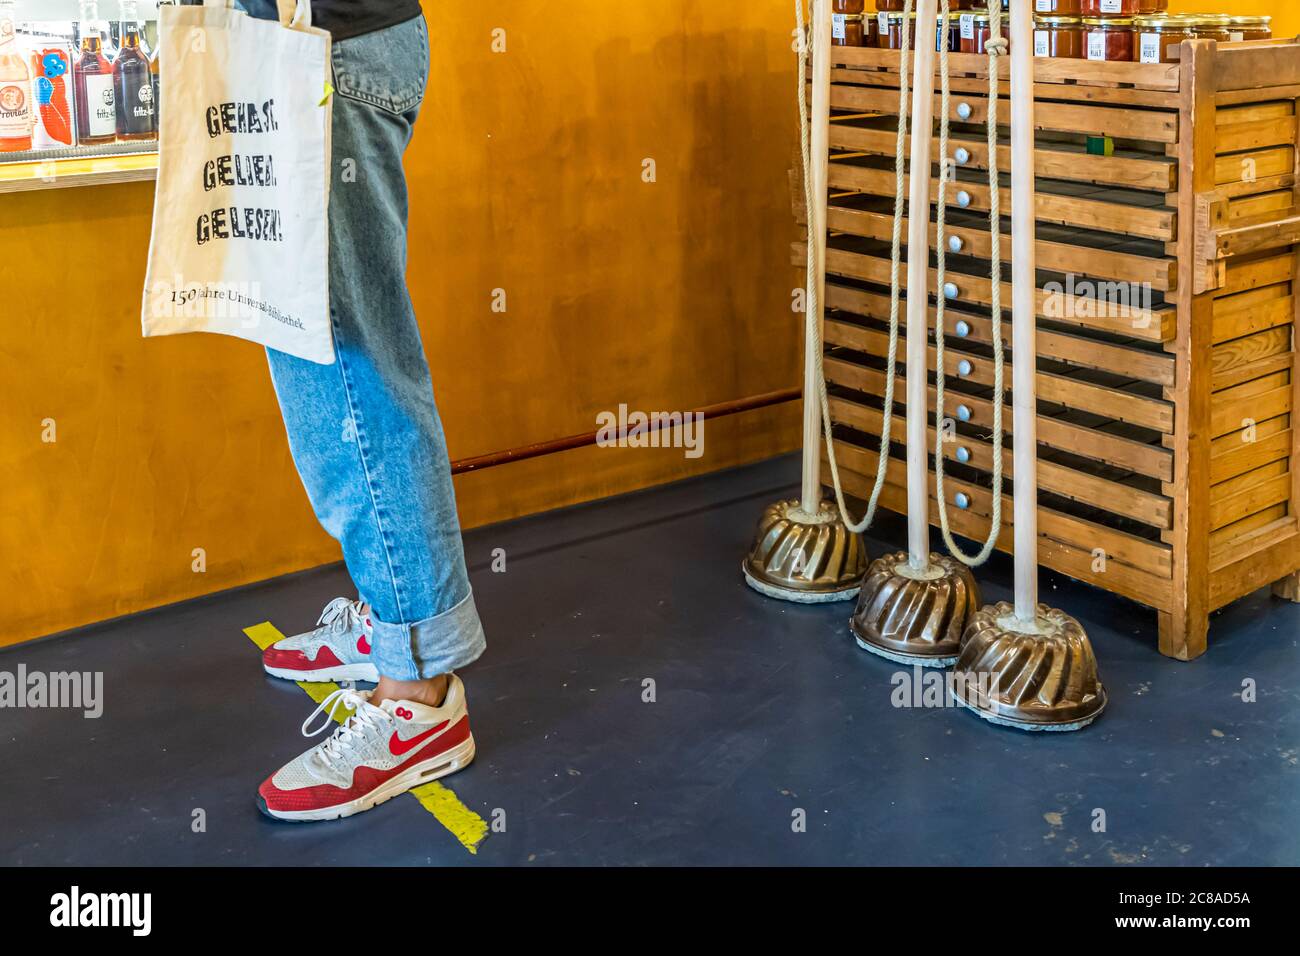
(92, 82)
(16, 114)
(132, 81)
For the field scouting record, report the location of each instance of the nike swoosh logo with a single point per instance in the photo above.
(397, 746)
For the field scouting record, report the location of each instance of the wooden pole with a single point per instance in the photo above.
(820, 121)
(1024, 349)
(918, 284)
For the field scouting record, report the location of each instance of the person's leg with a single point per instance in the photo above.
(365, 432)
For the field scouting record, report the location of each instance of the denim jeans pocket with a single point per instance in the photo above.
(387, 68)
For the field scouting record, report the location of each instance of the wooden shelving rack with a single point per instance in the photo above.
(1168, 459)
(66, 172)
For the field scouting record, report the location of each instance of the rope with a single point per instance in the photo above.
(995, 47)
(814, 328)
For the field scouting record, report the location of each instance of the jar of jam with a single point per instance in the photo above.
(889, 6)
(1060, 38)
(1121, 8)
(951, 37)
(1109, 38)
(891, 38)
(848, 6)
(977, 30)
(1159, 37)
(848, 29)
(1060, 8)
(1250, 28)
(1213, 26)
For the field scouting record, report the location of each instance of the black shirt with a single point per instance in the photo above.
(351, 18)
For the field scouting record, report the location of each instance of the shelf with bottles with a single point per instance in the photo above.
(82, 89)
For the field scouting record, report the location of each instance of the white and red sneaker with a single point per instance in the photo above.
(376, 754)
(337, 649)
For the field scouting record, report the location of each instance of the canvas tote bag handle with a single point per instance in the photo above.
(295, 14)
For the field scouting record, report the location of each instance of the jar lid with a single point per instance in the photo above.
(1211, 19)
(1106, 22)
(855, 17)
(898, 15)
(1059, 21)
(1161, 22)
(1256, 21)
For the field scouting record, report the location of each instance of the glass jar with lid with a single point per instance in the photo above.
(1109, 38)
(1159, 37)
(1059, 8)
(1213, 26)
(952, 36)
(891, 36)
(896, 6)
(848, 29)
(1059, 38)
(1121, 8)
(1250, 28)
(848, 6)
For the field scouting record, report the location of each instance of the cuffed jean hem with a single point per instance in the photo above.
(436, 645)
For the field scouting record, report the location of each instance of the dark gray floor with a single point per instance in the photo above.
(763, 708)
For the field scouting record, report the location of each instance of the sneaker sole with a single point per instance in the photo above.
(426, 771)
(366, 672)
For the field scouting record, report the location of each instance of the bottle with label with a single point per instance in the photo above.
(133, 81)
(52, 86)
(17, 115)
(156, 75)
(92, 82)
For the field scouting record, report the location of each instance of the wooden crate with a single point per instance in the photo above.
(1167, 454)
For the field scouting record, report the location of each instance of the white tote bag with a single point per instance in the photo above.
(240, 226)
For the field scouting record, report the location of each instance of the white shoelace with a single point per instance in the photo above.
(365, 718)
(342, 612)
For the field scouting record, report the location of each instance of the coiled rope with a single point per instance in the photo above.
(814, 328)
(995, 47)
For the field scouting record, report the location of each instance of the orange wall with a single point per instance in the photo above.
(525, 175)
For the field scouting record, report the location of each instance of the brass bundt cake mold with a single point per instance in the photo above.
(915, 617)
(1042, 677)
(802, 557)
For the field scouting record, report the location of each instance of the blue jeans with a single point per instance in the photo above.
(365, 432)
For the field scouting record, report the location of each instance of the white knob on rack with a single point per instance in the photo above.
(963, 199)
(962, 500)
(963, 454)
(962, 155)
(955, 244)
(964, 111)
(964, 368)
(950, 290)
(962, 328)
(963, 413)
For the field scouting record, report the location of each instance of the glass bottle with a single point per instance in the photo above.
(155, 75)
(92, 82)
(16, 114)
(133, 80)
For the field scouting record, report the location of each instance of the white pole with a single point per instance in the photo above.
(918, 284)
(1024, 349)
(819, 148)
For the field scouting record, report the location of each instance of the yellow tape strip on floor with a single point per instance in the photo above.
(465, 825)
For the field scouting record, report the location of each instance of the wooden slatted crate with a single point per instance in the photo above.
(1168, 313)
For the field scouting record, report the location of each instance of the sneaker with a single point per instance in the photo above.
(376, 754)
(338, 648)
